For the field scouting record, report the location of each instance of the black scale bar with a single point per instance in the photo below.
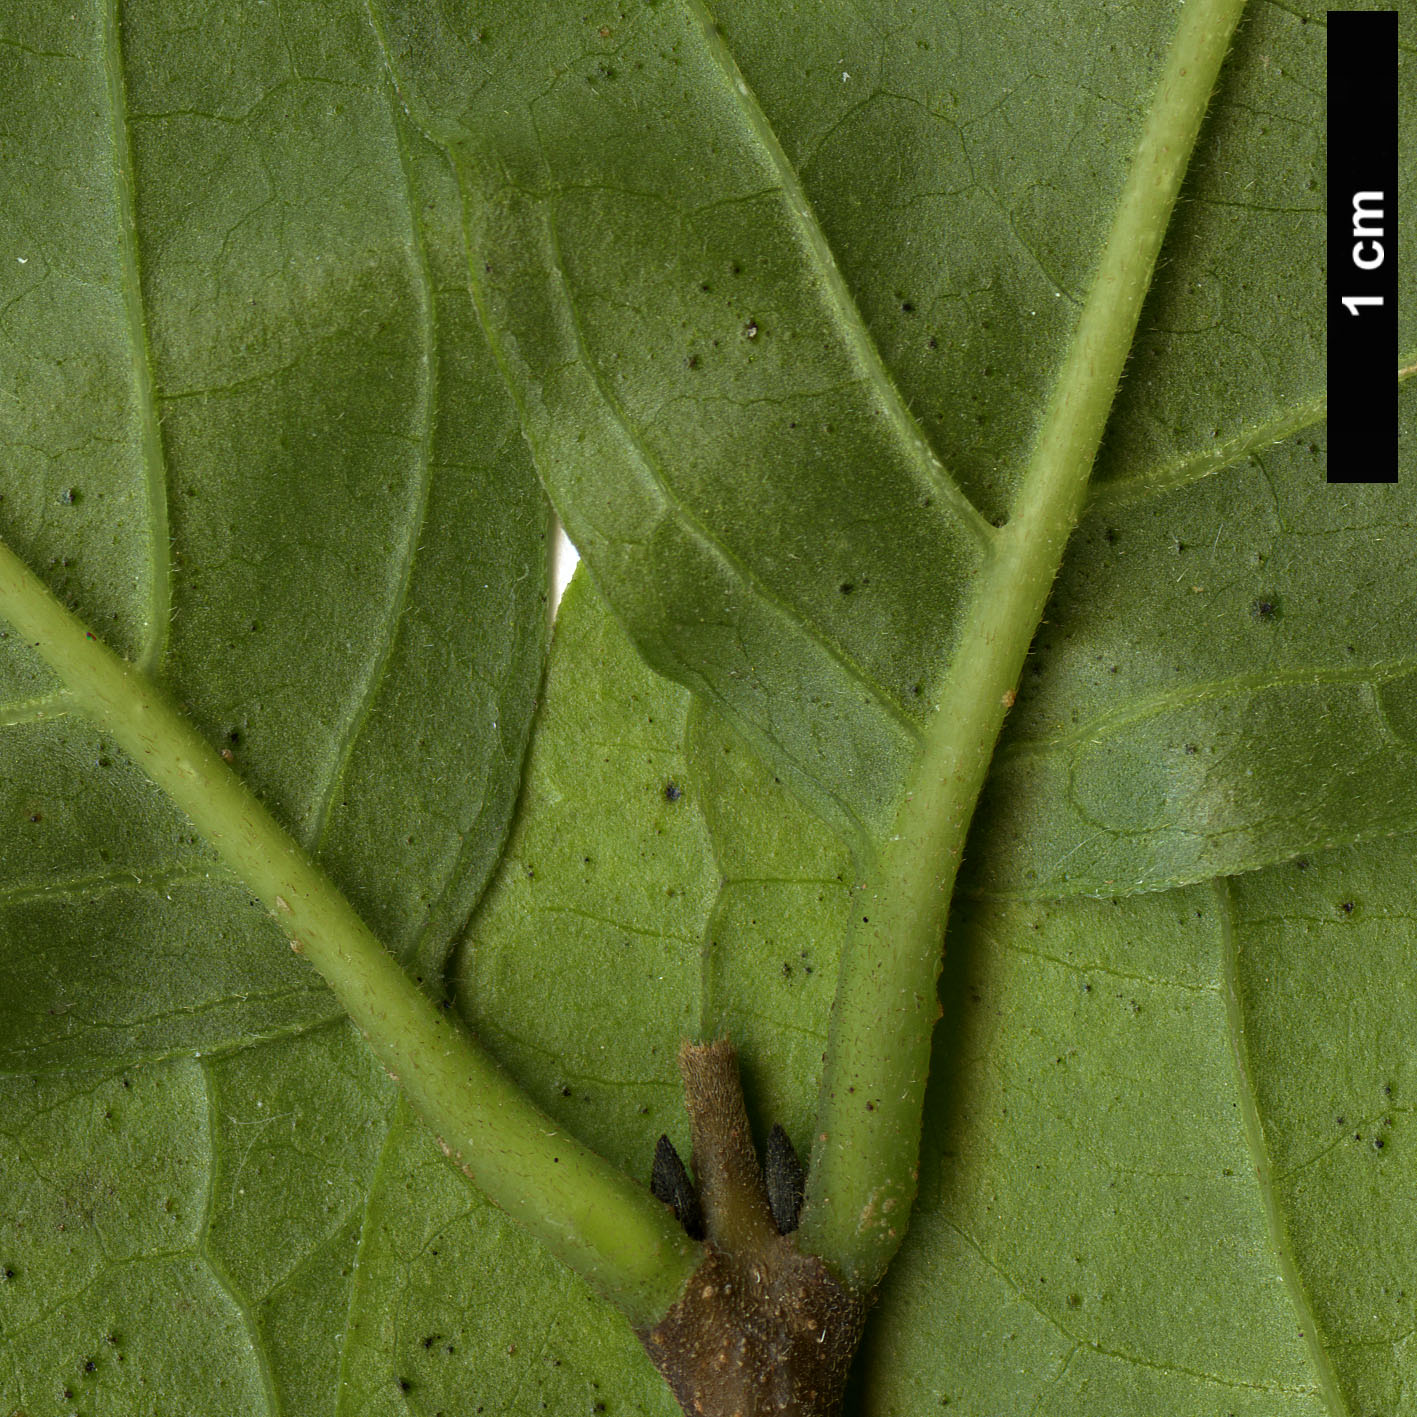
(1362, 245)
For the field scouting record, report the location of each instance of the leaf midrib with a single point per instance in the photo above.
(890, 964)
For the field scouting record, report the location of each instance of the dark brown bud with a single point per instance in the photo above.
(669, 1181)
(785, 1180)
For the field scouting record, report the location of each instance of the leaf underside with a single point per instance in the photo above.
(252, 429)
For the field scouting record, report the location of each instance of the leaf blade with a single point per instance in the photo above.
(319, 374)
(1084, 1112)
(833, 668)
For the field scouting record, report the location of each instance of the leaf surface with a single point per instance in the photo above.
(1136, 1190)
(252, 431)
(1224, 678)
(256, 435)
(782, 299)
(1209, 1080)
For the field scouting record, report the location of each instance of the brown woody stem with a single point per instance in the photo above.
(762, 1330)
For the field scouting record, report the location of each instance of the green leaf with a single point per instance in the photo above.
(1209, 1083)
(668, 867)
(1225, 677)
(649, 289)
(252, 432)
(860, 245)
(1136, 1192)
(256, 436)
(669, 222)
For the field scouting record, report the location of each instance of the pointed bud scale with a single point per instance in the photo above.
(785, 1180)
(670, 1183)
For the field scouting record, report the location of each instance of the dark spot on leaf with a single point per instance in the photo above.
(907, 308)
(70, 495)
(1110, 535)
(692, 362)
(846, 587)
(1264, 610)
(1347, 907)
(1377, 1143)
(672, 792)
(750, 330)
(405, 1384)
(932, 343)
(89, 1365)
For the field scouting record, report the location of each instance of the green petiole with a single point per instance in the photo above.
(587, 1212)
(862, 1180)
